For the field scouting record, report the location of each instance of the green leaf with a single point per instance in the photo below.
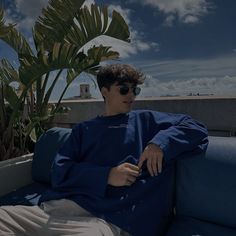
(87, 27)
(118, 28)
(7, 72)
(10, 96)
(3, 29)
(33, 135)
(55, 21)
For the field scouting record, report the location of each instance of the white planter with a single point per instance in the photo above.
(15, 173)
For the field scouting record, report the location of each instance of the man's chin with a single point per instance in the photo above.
(126, 110)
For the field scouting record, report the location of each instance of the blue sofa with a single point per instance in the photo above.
(204, 186)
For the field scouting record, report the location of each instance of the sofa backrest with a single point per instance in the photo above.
(45, 151)
(206, 184)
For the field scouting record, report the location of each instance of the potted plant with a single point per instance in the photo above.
(60, 36)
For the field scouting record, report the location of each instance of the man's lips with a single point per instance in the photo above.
(128, 102)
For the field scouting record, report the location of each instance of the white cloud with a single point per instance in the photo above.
(137, 42)
(181, 77)
(186, 11)
(24, 13)
(30, 8)
(224, 86)
(190, 68)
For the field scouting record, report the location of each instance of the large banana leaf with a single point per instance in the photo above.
(10, 96)
(7, 72)
(63, 56)
(68, 21)
(55, 21)
(95, 55)
(91, 24)
(3, 29)
(86, 26)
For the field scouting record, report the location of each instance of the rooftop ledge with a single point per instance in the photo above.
(151, 98)
(218, 113)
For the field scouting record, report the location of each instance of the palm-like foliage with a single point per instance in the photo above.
(60, 35)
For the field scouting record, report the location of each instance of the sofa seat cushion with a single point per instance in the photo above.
(28, 195)
(186, 226)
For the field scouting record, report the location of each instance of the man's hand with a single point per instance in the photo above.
(154, 156)
(123, 175)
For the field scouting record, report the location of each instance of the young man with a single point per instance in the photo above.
(114, 175)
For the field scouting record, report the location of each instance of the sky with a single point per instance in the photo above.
(184, 47)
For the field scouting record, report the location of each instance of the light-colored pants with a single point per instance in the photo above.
(56, 217)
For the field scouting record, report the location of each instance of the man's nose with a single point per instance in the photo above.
(131, 92)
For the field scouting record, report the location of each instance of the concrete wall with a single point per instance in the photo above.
(218, 113)
(15, 173)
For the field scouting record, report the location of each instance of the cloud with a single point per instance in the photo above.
(138, 44)
(24, 13)
(224, 86)
(189, 68)
(181, 77)
(30, 8)
(185, 11)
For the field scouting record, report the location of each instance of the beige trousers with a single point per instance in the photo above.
(56, 217)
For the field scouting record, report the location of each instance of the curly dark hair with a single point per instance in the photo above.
(120, 73)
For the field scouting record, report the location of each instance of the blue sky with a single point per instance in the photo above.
(183, 46)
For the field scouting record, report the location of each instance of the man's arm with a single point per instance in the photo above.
(70, 173)
(181, 134)
(83, 177)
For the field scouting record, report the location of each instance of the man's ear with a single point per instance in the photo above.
(104, 91)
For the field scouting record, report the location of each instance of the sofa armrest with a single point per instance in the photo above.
(15, 173)
(206, 183)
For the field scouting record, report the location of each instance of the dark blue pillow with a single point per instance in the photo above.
(45, 151)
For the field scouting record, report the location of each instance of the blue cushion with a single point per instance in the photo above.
(28, 195)
(206, 184)
(45, 152)
(186, 226)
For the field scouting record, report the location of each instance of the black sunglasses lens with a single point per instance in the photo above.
(124, 90)
(136, 91)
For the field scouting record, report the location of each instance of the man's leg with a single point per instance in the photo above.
(60, 217)
(77, 221)
(22, 220)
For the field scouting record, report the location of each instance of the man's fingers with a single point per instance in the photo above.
(141, 160)
(131, 179)
(159, 163)
(132, 167)
(154, 165)
(134, 173)
(149, 166)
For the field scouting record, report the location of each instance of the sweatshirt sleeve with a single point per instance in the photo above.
(71, 173)
(178, 133)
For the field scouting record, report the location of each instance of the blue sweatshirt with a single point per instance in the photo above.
(81, 168)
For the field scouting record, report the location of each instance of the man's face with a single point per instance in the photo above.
(119, 98)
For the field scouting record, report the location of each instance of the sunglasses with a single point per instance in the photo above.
(125, 89)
